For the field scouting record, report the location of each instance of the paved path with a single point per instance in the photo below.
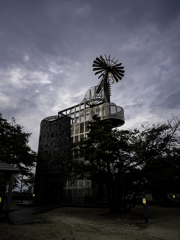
(27, 215)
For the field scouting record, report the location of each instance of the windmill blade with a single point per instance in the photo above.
(104, 61)
(98, 68)
(118, 77)
(102, 75)
(100, 63)
(109, 59)
(96, 65)
(101, 58)
(115, 78)
(116, 67)
(105, 58)
(120, 74)
(99, 71)
(119, 64)
(117, 72)
(98, 60)
(120, 71)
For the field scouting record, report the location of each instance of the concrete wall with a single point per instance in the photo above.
(53, 142)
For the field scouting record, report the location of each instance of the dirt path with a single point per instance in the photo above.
(98, 224)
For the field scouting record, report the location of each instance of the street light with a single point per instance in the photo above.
(145, 210)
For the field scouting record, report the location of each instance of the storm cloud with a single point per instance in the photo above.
(48, 47)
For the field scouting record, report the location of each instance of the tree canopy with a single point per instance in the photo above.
(14, 148)
(129, 163)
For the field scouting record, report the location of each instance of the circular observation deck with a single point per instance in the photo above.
(109, 111)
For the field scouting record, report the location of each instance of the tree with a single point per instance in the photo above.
(156, 155)
(109, 164)
(14, 148)
(159, 155)
(128, 163)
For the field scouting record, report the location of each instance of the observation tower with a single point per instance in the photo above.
(70, 126)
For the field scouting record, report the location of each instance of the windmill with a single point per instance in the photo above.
(108, 70)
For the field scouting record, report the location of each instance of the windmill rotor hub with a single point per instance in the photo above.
(109, 68)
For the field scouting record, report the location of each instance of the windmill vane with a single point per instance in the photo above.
(105, 66)
(109, 70)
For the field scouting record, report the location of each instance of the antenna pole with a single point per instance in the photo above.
(106, 89)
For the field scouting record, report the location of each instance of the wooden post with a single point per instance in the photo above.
(9, 193)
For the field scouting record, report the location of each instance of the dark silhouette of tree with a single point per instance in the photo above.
(108, 163)
(14, 148)
(159, 157)
(125, 164)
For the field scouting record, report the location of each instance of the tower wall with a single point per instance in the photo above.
(53, 143)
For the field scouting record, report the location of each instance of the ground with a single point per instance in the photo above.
(68, 223)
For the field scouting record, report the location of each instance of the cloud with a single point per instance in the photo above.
(47, 50)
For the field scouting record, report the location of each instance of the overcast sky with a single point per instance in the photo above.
(47, 48)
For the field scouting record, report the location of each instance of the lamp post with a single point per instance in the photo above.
(33, 199)
(174, 199)
(145, 210)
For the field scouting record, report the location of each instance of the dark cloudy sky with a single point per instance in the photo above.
(47, 48)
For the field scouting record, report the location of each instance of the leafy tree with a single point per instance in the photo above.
(27, 182)
(109, 164)
(156, 155)
(159, 155)
(128, 163)
(14, 148)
